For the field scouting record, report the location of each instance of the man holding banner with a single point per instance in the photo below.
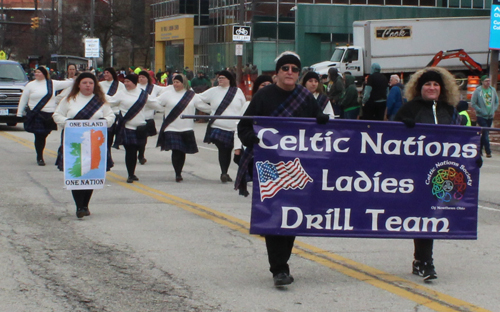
(283, 99)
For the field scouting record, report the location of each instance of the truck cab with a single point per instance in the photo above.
(344, 58)
(12, 82)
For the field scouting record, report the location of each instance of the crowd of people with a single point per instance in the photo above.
(129, 105)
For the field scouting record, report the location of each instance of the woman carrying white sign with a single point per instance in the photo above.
(86, 101)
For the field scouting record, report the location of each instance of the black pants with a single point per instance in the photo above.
(131, 158)
(224, 156)
(279, 250)
(178, 160)
(374, 110)
(82, 198)
(423, 249)
(40, 140)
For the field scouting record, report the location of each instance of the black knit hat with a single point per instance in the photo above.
(178, 78)
(260, 80)
(287, 57)
(429, 75)
(310, 75)
(133, 78)
(228, 75)
(81, 76)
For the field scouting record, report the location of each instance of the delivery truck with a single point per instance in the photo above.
(403, 46)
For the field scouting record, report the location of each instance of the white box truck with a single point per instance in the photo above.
(403, 46)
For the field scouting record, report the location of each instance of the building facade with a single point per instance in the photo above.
(203, 39)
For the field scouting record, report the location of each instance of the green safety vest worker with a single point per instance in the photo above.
(464, 113)
(164, 77)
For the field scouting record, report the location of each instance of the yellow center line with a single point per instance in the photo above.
(399, 286)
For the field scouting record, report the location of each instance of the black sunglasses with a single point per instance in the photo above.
(286, 68)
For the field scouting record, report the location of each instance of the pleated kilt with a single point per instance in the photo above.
(223, 136)
(130, 138)
(182, 141)
(42, 123)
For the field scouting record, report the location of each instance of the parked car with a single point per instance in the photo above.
(12, 81)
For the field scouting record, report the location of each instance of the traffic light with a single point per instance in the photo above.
(35, 22)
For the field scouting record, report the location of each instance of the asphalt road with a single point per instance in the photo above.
(158, 245)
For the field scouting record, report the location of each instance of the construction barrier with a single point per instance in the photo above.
(472, 84)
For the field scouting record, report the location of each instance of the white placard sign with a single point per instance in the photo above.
(92, 47)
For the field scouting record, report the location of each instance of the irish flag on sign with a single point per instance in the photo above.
(87, 153)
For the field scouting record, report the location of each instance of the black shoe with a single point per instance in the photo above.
(424, 269)
(40, 162)
(225, 178)
(86, 211)
(282, 279)
(132, 178)
(142, 161)
(80, 213)
(178, 178)
(488, 155)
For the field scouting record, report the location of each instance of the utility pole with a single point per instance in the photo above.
(112, 27)
(36, 32)
(92, 16)
(239, 65)
(2, 29)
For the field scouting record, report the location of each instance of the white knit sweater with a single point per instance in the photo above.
(36, 90)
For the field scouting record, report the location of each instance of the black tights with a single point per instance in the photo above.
(82, 198)
(178, 160)
(131, 158)
(142, 149)
(224, 156)
(40, 139)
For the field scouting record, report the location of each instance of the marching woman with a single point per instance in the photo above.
(131, 131)
(177, 134)
(38, 98)
(146, 83)
(259, 83)
(110, 86)
(312, 83)
(85, 101)
(432, 95)
(225, 100)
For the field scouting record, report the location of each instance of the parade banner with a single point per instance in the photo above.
(365, 179)
(85, 154)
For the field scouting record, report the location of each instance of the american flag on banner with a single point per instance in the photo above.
(274, 177)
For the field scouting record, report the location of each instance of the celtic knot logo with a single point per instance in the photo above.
(448, 184)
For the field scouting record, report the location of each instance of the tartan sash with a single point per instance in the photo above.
(113, 88)
(31, 114)
(149, 88)
(228, 98)
(174, 114)
(292, 104)
(286, 109)
(322, 101)
(131, 113)
(90, 108)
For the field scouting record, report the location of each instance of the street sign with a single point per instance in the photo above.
(239, 49)
(241, 33)
(92, 47)
(495, 25)
(3, 55)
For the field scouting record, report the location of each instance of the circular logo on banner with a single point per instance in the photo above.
(448, 184)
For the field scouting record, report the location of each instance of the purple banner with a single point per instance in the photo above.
(365, 179)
